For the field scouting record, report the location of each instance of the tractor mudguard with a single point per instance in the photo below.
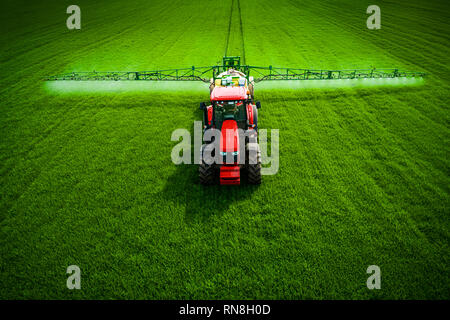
(252, 116)
(255, 117)
(208, 117)
(249, 114)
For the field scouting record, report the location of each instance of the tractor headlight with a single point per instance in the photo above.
(234, 156)
(234, 153)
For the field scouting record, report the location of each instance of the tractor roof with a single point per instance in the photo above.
(228, 93)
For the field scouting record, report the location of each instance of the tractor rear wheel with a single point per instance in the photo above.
(206, 174)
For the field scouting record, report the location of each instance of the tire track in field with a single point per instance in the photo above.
(241, 27)
(229, 28)
(237, 8)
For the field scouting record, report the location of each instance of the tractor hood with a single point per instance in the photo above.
(229, 141)
(228, 93)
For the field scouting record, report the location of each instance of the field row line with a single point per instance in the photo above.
(241, 29)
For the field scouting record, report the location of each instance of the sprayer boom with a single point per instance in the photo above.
(259, 73)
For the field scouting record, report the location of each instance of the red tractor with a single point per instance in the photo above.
(233, 112)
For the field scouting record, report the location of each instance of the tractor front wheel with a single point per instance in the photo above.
(254, 167)
(206, 172)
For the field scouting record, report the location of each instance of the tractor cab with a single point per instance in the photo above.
(229, 103)
(232, 109)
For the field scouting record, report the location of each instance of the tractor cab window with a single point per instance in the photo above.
(230, 109)
(230, 105)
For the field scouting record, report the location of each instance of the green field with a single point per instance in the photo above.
(86, 176)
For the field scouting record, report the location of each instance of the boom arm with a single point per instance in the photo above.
(259, 73)
(186, 74)
(270, 73)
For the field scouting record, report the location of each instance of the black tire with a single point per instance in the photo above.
(206, 174)
(254, 167)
